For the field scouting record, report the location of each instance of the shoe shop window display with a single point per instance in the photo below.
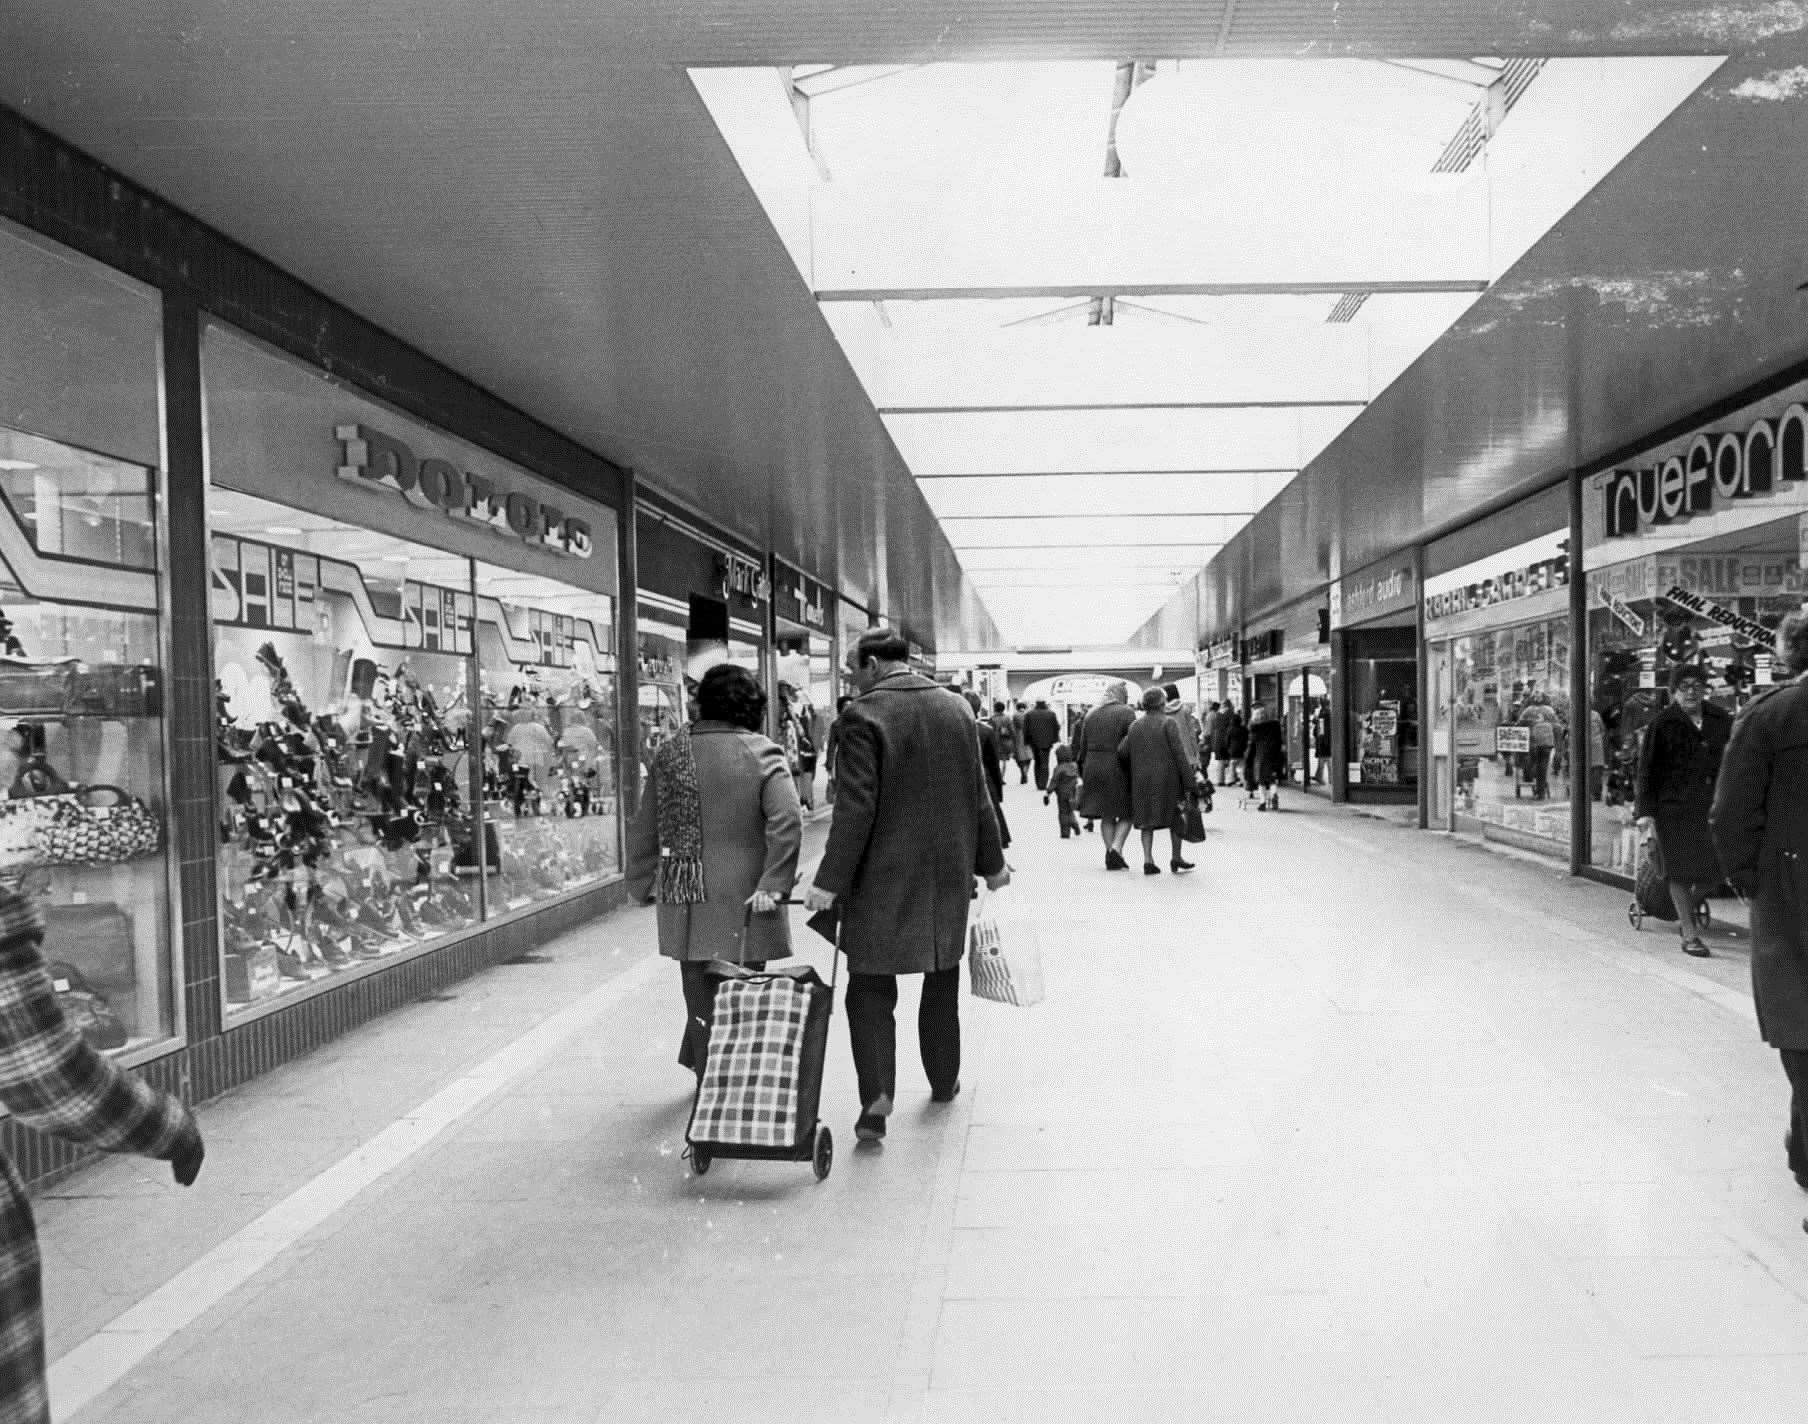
(82, 830)
(343, 746)
(546, 670)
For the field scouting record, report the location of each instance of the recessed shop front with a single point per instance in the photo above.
(416, 695)
(1287, 672)
(1375, 654)
(1506, 751)
(700, 601)
(1695, 551)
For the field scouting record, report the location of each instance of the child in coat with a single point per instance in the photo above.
(1064, 786)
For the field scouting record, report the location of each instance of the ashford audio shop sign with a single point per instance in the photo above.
(1760, 454)
(373, 460)
(1378, 591)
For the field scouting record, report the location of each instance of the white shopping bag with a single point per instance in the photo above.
(1004, 957)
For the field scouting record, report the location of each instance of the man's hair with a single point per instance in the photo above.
(841, 703)
(885, 645)
(997, 706)
(1792, 643)
(729, 693)
(972, 700)
(1688, 672)
(1041, 702)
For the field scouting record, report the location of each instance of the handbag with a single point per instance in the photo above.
(97, 825)
(1004, 958)
(1192, 827)
(35, 687)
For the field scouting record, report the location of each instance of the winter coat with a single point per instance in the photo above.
(1006, 731)
(1160, 774)
(53, 1081)
(1020, 731)
(1063, 781)
(1542, 720)
(1265, 758)
(1676, 772)
(1217, 732)
(1041, 728)
(752, 829)
(1236, 739)
(994, 770)
(1191, 734)
(1105, 789)
(913, 825)
(1760, 829)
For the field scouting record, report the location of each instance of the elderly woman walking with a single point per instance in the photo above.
(1678, 765)
(1161, 776)
(717, 834)
(1104, 787)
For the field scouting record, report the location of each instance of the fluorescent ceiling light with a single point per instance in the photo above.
(17, 465)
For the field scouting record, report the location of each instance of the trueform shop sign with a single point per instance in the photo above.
(1755, 458)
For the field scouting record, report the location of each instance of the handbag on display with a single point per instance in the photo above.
(98, 825)
(88, 1012)
(35, 687)
(1004, 958)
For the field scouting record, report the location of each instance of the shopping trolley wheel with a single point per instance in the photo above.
(823, 1159)
(700, 1160)
(1635, 915)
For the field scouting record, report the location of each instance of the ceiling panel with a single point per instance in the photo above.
(1007, 495)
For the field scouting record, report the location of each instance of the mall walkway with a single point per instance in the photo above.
(1353, 1124)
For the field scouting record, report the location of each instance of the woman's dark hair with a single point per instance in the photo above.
(1154, 700)
(1792, 643)
(881, 645)
(841, 703)
(1688, 672)
(731, 694)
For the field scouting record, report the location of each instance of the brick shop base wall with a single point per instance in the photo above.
(216, 1065)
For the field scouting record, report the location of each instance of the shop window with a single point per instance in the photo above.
(806, 689)
(546, 667)
(341, 657)
(1512, 731)
(1383, 713)
(84, 825)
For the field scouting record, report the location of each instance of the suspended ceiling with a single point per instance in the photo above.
(536, 195)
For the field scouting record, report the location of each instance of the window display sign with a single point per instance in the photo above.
(799, 599)
(1512, 739)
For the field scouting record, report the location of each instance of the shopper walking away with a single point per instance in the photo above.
(1218, 740)
(1161, 778)
(1542, 719)
(1023, 752)
(1192, 734)
(1321, 742)
(913, 826)
(717, 831)
(1236, 747)
(51, 1080)
(828, 750)
(1042, 729)
(1678, 765)
(1064, 786)
(1759, 823)
(989, 763)
(1265, 759)
(1104, 787)
(1004, 728)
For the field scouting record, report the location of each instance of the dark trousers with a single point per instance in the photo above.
(1539, 769)
(872, 1002)
(1795, 1064)
(699, 1010)
(1064, 807)
(1041, 756)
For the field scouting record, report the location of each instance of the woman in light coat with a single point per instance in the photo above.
(716, 836)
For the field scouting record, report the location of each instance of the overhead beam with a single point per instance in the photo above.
(1281, 287)
(972, 409)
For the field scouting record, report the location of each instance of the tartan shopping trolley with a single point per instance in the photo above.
(762, 1076)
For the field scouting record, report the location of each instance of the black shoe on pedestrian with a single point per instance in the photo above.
(1693, 946)
(1151, 868)
(870, 1125)
(1114, 861)
(1178, 866)
(1089, 828)
(948, 1096)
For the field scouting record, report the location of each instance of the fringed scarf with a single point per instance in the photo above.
(679, 880)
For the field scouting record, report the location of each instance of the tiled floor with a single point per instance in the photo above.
(1352, 1124)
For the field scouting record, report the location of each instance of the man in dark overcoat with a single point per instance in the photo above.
(913, 826)
(1043, 729)
(1760, 828)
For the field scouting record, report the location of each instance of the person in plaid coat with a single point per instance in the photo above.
(52, 1081)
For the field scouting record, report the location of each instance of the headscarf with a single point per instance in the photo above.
(1117, 692)
(679, 880)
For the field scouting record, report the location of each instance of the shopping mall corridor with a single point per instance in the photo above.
(1354, 1124)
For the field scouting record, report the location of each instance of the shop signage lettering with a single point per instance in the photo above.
(369, 457)
(742, 578)
(1089, 689)
(1748, 628)
(800, 598)
(1504, 588)
(1221, 653)
(1365, 596)
(1717, 467)
(1617, 606)
(1512, 739)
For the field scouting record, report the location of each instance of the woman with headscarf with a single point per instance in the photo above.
(1104, 788)
(717, 833)
(1679, 763)
(1265, 760)
(1161, 777)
